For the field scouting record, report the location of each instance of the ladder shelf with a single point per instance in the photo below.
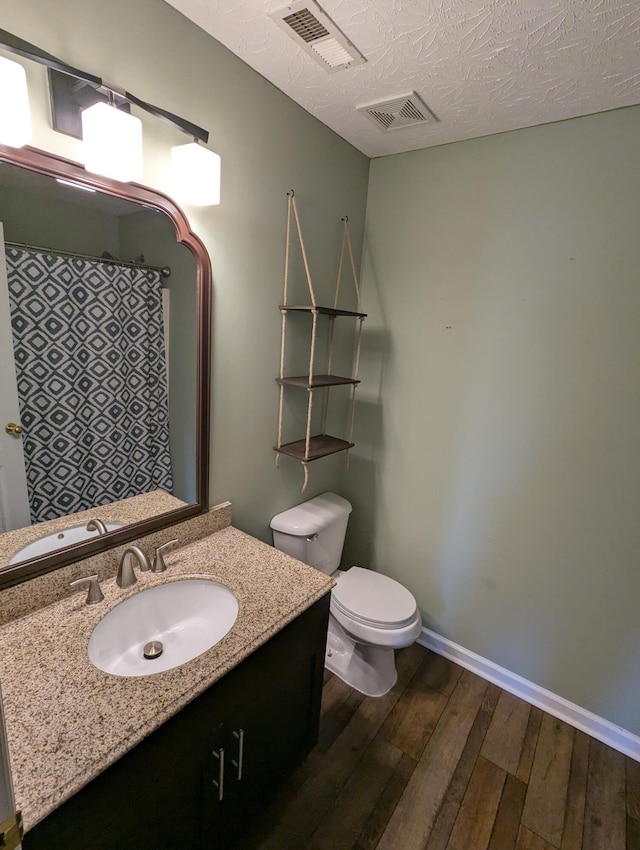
(321, 445)
(315, 382)
(323, 311)
(314, 447)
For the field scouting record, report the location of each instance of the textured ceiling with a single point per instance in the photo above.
(481, 67)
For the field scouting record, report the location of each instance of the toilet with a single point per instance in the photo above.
(370, 615)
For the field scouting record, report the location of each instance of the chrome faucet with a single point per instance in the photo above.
(97, 525)
(126, 574)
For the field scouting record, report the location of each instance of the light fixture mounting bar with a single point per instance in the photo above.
(181, 123)
(23, 48)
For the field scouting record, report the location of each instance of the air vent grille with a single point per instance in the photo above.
(383, 118)
(310, 26)
(408, 110)
(306, 25)
(333, 53)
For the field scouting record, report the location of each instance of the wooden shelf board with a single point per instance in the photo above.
(317, 381)
(319, 446)
(325, 311)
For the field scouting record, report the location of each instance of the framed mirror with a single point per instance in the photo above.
(139, 460)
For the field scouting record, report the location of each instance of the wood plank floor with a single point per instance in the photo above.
(448, 761)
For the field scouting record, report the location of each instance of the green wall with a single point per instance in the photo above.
(496, 463)
(268, 145)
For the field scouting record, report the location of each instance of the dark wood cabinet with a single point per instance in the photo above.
(245, 733)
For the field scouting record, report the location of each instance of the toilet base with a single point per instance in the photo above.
(369, 669)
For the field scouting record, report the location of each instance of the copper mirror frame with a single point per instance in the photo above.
(55, 166)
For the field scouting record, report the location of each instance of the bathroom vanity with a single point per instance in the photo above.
(179, 759)
(199, 779)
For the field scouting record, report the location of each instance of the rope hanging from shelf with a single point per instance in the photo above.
(292, 203)
(356, 375)
(346, 242)
(284, 320)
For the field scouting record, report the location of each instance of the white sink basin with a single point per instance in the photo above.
(58, 540)
(187, 616)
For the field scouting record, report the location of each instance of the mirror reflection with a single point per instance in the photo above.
(98, 369)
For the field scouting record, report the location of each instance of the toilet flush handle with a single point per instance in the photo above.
(312, 538)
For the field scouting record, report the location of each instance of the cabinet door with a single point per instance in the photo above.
(148, 799)
(275, 722)
(272, 722)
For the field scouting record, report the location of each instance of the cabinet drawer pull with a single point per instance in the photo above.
(219, 783)
(240, 736)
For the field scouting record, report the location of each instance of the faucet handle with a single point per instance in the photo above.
(95, 593)
(159, 565)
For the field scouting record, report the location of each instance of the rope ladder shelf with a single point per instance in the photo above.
(313, 447)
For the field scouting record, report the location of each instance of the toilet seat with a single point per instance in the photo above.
(373, 600)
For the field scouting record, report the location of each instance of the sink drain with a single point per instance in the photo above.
(153, 649)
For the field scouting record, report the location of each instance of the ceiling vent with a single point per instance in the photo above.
(408, 110)
(313, 30)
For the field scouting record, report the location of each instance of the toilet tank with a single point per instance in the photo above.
(314, 531)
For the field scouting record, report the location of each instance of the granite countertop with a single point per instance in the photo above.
(67, 721)
(127, 511)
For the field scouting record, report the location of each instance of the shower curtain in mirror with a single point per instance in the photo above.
(92, 382)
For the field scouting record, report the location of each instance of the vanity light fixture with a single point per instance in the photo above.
(195, 172)
(15, 117)
(112, 137)
(112, 142)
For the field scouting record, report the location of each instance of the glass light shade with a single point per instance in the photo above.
(195, 175)
(112, 142)
(15, 118)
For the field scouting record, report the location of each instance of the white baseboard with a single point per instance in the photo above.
(603, 730)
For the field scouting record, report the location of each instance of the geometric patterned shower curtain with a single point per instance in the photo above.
(92, 382)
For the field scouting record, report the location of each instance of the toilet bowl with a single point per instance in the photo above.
(370, 615)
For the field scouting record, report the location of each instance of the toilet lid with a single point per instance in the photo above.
(373, 598)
